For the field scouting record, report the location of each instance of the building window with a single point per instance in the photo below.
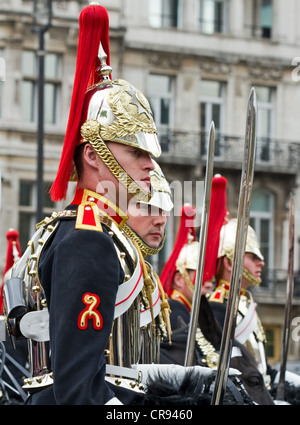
(273, 343)
(266, 11)
(27, 209)
(264, 130)
(211, 94)
(212, 16)
(30, 90)
(160, 91)
(262, 18)
(165, 13)
(261, 219)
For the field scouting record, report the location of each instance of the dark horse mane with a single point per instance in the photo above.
(194, 389)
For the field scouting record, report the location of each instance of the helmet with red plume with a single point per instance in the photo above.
(102, 109)
(185, 253)
(217, 217)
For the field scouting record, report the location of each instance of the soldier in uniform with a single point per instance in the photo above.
(178, 285)
(253, 264)
(14, 358)
(146, 228)
(178, 275)
(83, 276)
(182, 288)
(249, 330)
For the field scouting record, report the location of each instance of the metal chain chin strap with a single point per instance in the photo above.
(90, 132)
(247, 275)
(145, 248)
(251, 278)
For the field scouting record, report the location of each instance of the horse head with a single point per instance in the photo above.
(242, 360)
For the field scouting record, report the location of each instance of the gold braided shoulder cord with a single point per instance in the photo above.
(90, 132)
(165, 307)
(148, 250)
(148, 284)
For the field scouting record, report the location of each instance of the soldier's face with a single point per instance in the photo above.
(148, 222)
(136, 162)
(254, 265)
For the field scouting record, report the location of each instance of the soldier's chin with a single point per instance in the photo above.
(145, 185)
(253, 281)
(256, 281)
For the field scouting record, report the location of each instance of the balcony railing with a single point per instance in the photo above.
(272, 154)
(274, 285)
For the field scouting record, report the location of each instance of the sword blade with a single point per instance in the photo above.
(239, 252)
(189, 354)
(289, 298)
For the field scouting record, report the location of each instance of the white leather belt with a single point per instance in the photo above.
(124, 372)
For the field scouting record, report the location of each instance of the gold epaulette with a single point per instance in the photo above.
(218, 295)
(88, 217)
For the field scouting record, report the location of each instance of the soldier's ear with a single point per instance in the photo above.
(90, 156)
(227, 264)
(178, 281)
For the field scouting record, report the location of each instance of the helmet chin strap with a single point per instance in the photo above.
(247, 275)
(144, 247)
(253, 280)
(184, 273)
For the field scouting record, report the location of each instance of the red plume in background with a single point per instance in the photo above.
(93, 30)
(12, 254)
(186, 227)
(217, 217)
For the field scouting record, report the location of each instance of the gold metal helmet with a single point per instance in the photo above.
(117, 112)
(103, 110)
(227, 242)
(124, 115)
(161, 192)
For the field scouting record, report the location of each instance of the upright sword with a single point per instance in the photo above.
(189, 354)
(288, 306)
(239, 252)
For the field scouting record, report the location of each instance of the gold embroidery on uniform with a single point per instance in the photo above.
(91, 301)
(80, 217)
